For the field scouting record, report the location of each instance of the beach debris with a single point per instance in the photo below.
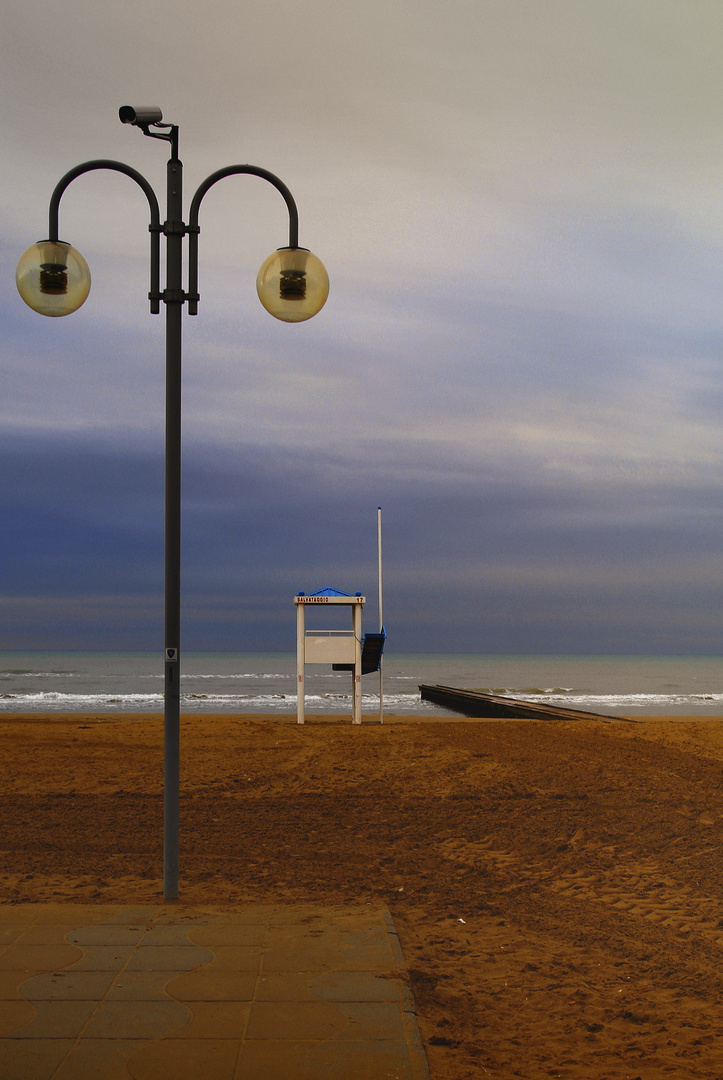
(463, 921)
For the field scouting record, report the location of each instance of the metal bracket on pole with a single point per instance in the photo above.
(154, 228)
(193, 227)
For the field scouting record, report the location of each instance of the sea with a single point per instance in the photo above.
(108, 682)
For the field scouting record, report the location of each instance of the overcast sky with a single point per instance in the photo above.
(519, 206)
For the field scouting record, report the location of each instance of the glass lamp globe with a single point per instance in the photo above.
(53, 278)
(292, 284)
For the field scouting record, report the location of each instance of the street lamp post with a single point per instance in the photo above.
(54, 280)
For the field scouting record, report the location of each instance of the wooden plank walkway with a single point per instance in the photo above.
(477, 703)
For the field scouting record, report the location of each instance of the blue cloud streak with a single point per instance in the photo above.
(501, 561)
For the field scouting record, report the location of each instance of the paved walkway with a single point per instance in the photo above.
(174, 993)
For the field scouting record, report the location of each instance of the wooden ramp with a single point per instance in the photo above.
(479, 704)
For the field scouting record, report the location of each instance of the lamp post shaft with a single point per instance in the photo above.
(280, 293)
(172, 623)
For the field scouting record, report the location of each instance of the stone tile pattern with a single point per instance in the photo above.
(149, 993)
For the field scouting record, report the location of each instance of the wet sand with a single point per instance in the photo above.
(557, 886)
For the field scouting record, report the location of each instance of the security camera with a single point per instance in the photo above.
(141, 116)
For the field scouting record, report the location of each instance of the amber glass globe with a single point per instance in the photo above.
(53, 278)
(292, 284)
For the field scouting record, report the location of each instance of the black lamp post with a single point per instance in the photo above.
(54, 280)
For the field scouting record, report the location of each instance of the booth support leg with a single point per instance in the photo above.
(300, 663)
(356, 675)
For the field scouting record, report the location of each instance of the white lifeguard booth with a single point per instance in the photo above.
(338, 647)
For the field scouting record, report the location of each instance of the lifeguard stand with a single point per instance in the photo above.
(338, 647)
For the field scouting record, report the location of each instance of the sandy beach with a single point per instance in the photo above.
(557, 887)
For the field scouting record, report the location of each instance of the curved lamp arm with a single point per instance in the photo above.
(193, 228)
(155, 228)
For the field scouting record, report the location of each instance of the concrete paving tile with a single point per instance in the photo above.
(139, 985)
(136, 1019)
(312, 931)
(128, 915)
(10, 931)
(271, 914)
(210, 984)
(12, 915)
(360, 938)
(10, 981)
(63, 986)
(216, 1020)
(32, 1059)
(169, 934)
(302, 1060)
(373, 945)
(287, 986)
(189, 1059)
(370, 1021)
(106, 934)
(169, 957)
(97, 1059)
(308, 915)
(307, 956)
(56, 1020)
(295, 1020)
(77, 914)
(229, 934)
(14, 1015)
(281, 937)
(327, 986)
(263, 993)
(103, 958)
(355, 986)
(38, 957)
(316, 956)
(19, 914)
(172, 915)
(237, 957)
(46, 934)
(372, 957)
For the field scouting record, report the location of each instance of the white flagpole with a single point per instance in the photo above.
(381, 614)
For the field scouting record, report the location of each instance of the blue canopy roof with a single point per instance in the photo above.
(328, 591)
